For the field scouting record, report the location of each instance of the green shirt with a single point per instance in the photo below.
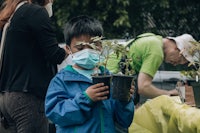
(146, 52)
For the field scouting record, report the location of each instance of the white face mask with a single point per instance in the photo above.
(68, 60)
(86, 58)
(49, 9)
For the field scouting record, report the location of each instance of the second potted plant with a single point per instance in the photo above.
(124, 79)
(194, 74)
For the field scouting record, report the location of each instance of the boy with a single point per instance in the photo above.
(72, 102)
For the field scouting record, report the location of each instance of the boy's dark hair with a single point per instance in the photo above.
(82, 25)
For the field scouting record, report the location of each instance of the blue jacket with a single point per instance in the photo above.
(72, 110)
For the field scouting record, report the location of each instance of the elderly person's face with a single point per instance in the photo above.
(175, 58)
(173, 55)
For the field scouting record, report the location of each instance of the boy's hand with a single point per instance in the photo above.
(98, 92)
(132, 91)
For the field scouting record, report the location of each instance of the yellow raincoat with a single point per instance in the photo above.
(166, 114)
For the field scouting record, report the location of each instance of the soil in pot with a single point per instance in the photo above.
(121, 87)
(106, 79)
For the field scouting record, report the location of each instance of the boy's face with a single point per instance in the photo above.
(91, 57)
(83, 38)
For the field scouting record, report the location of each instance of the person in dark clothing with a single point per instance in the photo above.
(30, 57)
(2, 3)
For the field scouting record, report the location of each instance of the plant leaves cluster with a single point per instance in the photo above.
(113, 46)
(195, 52)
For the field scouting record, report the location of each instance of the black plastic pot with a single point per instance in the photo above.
(121, 87)
(106, 79)
(196, 89)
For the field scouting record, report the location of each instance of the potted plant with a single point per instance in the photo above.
(103, 76)
(123, 80)
(194, 74)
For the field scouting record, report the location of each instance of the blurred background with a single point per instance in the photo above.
(124, 19)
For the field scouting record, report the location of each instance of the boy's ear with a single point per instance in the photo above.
(67, 49)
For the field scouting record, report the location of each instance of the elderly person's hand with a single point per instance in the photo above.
(173, 92)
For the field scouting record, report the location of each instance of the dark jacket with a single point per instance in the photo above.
(31, 52)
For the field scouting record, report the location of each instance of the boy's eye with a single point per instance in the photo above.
(93, 45)
(79, 47)
(82, 46)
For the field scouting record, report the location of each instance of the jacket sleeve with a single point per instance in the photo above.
(44, 33)
(64, 110)
(124, 112)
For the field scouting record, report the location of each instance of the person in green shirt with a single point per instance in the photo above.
(148, 51)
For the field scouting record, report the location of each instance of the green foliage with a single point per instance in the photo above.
(108, 47)
(195, 52)
(164, 17)
(113, 14)
(121, 51)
